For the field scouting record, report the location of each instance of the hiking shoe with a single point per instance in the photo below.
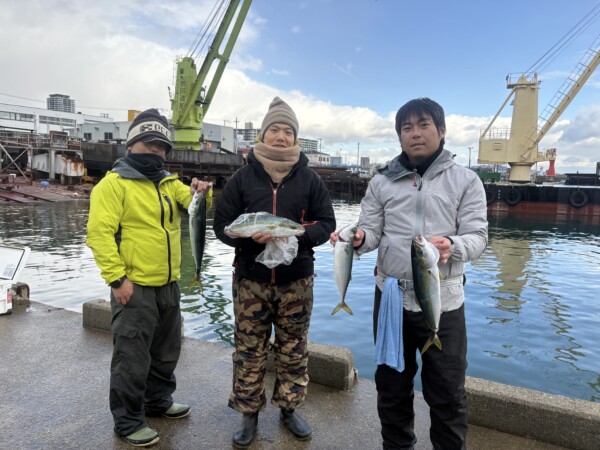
(177, 411)
(142, 438)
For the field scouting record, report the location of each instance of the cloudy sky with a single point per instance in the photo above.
(345, 66)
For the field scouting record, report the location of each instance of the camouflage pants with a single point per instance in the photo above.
(259, 307)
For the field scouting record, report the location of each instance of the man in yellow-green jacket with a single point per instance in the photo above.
(134, 231)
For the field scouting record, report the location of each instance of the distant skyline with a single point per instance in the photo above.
(345, 66)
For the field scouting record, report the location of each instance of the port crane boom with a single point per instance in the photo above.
(191, 98)
(518, 146)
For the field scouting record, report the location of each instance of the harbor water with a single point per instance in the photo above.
(531, 303)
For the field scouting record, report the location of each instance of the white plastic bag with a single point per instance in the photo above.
(279, 251)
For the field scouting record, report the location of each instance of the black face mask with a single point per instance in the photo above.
(148, 164)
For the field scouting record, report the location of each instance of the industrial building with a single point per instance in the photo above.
(42, 121)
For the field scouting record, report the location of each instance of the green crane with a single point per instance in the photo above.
(191, 99)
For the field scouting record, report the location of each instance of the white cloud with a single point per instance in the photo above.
(113, 56)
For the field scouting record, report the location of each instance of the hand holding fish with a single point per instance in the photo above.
(199, 186)
(261, 238)
(444, 246)
(359, 236)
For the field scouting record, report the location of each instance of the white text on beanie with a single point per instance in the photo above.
(150, 126)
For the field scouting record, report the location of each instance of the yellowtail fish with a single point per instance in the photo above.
(197, 210)
(426, 281)
(343, 254)
(249, 224)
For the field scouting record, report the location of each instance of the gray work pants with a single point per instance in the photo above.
(146, 346)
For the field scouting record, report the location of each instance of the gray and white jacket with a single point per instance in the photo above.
(448, 200)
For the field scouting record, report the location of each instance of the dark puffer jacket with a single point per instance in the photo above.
(301, 197)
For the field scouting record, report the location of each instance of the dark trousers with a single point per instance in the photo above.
(442, 376)
(146, 347)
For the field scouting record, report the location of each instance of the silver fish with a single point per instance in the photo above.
(197, 210)
(249, 224)
(343, 254)
(426, 281)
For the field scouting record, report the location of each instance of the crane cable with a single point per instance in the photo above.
(560, 46)
(202, 33)
(208, 30)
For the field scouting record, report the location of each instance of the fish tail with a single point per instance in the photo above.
(343, 306)
(197, 281)
(433, 339)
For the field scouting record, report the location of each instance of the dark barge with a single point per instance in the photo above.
(578, 196)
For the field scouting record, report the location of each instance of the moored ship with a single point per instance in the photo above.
(578, 196)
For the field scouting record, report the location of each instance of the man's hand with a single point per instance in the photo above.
(443, 245)
(260, 238)
(358, 237)
(124, 293)
(199, 186)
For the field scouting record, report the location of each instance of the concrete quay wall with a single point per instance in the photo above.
(555, 419)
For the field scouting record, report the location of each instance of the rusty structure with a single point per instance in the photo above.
(341, 183)
(54, 155)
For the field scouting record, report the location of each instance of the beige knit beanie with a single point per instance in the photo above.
(280, 112)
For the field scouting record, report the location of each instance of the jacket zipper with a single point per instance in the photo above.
(162, 224)
(274, 213)
(419, 206)
(168, 200)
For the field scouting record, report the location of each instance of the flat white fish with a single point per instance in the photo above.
(343, 254)
(261, 222)
(426, 281)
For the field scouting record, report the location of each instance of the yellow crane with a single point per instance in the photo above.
(518, 145)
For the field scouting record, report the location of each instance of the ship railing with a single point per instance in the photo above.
(494, 133)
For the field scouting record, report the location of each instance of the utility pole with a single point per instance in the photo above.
(235, 136)
(470, 148)
(358, 155)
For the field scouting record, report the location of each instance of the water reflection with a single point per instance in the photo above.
(536, 316)
(531, 309)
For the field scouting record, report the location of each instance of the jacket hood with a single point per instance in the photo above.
(395, 169)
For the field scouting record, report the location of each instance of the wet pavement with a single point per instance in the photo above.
(54, 395)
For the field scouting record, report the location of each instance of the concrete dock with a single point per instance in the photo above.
(54, 395)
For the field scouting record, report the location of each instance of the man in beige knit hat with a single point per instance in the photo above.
(276, 180)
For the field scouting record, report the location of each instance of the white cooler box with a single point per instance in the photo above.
(12, 261)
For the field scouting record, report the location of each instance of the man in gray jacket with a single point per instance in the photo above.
(424, 192)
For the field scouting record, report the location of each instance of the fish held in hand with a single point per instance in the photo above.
(426, 281)
(197, 210)
(249, 224)
(343, 254)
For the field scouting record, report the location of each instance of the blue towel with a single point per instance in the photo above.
(389, 349)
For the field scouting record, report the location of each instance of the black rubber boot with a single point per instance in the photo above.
(243, 437)
(296, 424)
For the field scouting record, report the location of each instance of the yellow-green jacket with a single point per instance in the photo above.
(134, 226)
